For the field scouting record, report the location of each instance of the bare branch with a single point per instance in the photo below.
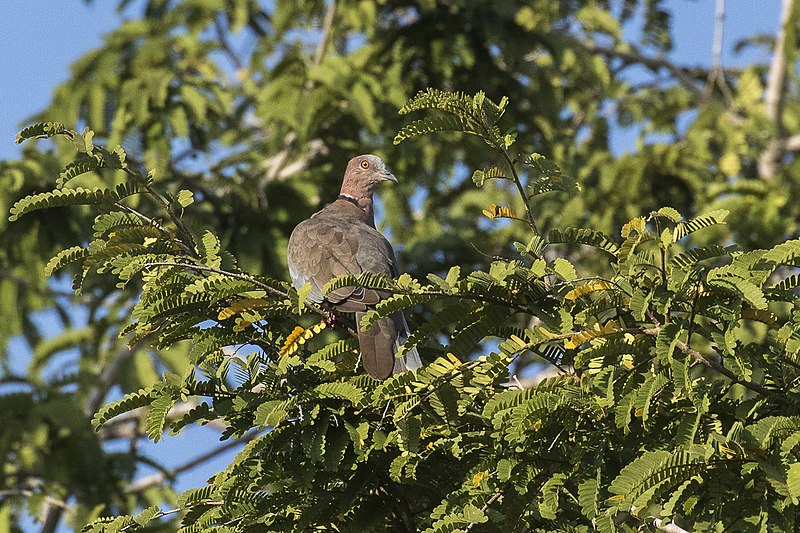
(327, 30)
(719, 32)
(685, 75)
(278, 169)
(792, 144)
(716, 77)
(225, 44)
(669, 528)
(160, 477)
(770, 158)
(488, 504)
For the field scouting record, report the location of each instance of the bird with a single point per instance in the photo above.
(342, 239)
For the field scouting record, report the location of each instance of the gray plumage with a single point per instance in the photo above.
(342, 239)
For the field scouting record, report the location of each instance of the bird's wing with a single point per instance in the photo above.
(326, 246)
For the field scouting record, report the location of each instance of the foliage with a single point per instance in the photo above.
(677, 372)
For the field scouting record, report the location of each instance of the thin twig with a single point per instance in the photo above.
(225, 44)
(30, 494)
(710, 363)
(167, 206)
(521, 189)
(322, 310)
(486, 506)
(693, 313)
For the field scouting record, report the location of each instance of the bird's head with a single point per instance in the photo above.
(363, 173)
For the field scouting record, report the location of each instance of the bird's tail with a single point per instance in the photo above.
(379, 344)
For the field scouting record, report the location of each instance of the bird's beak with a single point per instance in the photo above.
(388, 176)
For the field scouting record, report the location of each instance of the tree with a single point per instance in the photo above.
(154, 88)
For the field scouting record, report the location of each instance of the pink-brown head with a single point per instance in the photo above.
(362, 174)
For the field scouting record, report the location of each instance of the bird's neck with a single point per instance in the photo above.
(364, 204)
(357, 189)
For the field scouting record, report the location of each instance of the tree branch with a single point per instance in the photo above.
(669, 528)
(685, 75)
(55, 502)
(125, 425)
(486, 505)
(716, 365)
(770, 158)
(717, 76)
(322, 309)
(719, 32)
(225, 45)
(525, 200)
(276, 166)
(160, 477)
(792, 143)
(327, 30)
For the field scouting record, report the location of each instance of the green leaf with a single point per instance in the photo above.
(547, 176)
(669, 213)
(302, 296)
(724, 279)
(793, 482)
(703, 221)
(185, 198)
(431, 125)
(588, 493)
(210, 250)
(564, 269)
(493, 172)
(453, 102)
(131, 401)
(77, 196)
(691, 257)
(584, 236)
(365, 279)
(156, 418)
(341, 391)
(548, 496)
(65, 257)
(41, 130)
(147, 515)
(76, 168)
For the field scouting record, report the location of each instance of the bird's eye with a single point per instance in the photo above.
(365, 164)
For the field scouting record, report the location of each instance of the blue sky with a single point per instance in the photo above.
(39, 39)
